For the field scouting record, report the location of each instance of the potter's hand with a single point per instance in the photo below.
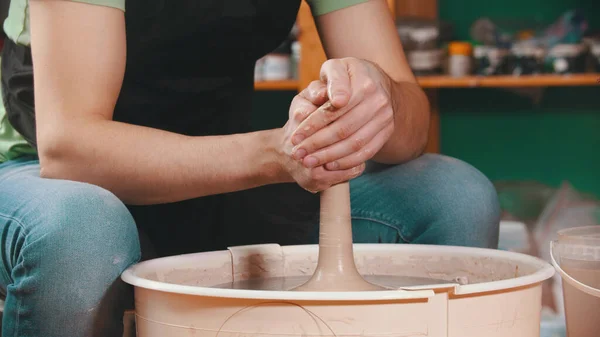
(355, 126)
(310, 101)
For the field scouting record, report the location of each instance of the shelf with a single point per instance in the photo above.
(276, 85)
(509, 81)
(432, 82)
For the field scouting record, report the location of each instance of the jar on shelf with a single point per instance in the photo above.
(525, 58)
(460, 58)
(423, 38)
(595, 51)
(295, 64)
(423, 55)
(489, 60)
(277, 64)
(566, 59)
(425, 62)
(481, 60)
(404, 35)
(259, 69)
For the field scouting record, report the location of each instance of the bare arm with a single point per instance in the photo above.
(79, 59)
(367, 31)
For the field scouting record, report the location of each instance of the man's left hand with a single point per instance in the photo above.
(354, 124)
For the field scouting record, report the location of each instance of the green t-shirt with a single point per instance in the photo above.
(16, 27)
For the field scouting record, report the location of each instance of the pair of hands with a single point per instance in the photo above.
(337, 123)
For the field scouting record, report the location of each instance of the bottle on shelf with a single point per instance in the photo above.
(526, 58)
(460, 56)
(566, 59)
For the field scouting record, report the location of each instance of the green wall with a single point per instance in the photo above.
(506, 135)
(533, 13)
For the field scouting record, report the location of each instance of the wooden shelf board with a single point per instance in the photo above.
(471, 81)
(509, 81)
(276, 85)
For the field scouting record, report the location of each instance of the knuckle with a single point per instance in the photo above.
(386, 116)
(366, 153)
(315, 84)
(343, 132)
(316, 176)
(369, 85)
(316, 89)
(381, 101)
(296, 100)
(307, 128)
(389, 119)
(329, 63)
(308, 146)
(390, 129)
(299, 114)
(358, 143)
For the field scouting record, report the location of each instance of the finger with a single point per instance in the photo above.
(316, 93)
(317, 120)
(350, 145)
(365, 154)
(343, 128)
(300, 109)
(335, 74)
(325, 179)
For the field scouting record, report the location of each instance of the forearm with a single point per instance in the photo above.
(147, 166)
(411, 124)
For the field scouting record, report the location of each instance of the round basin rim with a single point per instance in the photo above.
(544, 272)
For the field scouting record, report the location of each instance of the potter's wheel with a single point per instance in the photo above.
(380, 290)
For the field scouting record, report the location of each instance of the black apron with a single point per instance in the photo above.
(190, 68)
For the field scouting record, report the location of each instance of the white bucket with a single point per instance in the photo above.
(576, 256)
(502, 296)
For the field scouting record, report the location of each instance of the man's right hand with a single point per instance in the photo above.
(316, 179)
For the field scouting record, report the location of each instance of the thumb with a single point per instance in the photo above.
(335, 74)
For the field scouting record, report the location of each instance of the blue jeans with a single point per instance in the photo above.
(64, 243)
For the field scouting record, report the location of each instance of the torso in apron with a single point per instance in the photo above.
(190, 63)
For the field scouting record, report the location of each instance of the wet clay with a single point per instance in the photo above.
(582, 310)
(291, 282)
(336, 270)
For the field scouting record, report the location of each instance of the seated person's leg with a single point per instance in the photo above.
(431, 200)
(64, 245)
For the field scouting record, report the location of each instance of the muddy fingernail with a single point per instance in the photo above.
(299, 154)
(310, 161)
(297, 139)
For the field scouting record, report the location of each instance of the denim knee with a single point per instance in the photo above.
(433, 199)
(71, 245)
(464, 207)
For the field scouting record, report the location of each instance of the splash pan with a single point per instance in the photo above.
(478, 292)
